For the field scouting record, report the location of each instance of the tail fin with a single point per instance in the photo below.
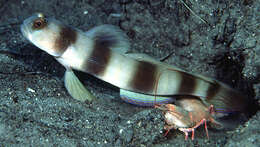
(225, 99)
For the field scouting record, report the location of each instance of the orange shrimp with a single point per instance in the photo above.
(187, 114)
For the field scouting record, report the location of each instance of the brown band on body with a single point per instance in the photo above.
(212, 91)
(98, 60)
(144, 79)
(66, 37)
(187, 84)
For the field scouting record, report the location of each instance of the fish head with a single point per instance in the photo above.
(43, 32)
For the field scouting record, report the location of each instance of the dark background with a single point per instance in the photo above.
(219, 39)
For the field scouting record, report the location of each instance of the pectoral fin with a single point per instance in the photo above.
(75, 88)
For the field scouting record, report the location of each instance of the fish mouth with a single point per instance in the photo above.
(26, 27)
(25, 31)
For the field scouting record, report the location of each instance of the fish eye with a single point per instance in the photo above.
(39, 23)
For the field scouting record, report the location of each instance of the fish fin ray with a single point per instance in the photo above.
(111, 37)
(75, 88)
(144, 99)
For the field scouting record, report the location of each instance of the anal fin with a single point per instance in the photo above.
(75, 88)
(144, 99)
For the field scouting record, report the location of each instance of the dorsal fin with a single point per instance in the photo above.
(111, 37)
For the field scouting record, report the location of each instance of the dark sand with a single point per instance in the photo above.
(36, 110)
